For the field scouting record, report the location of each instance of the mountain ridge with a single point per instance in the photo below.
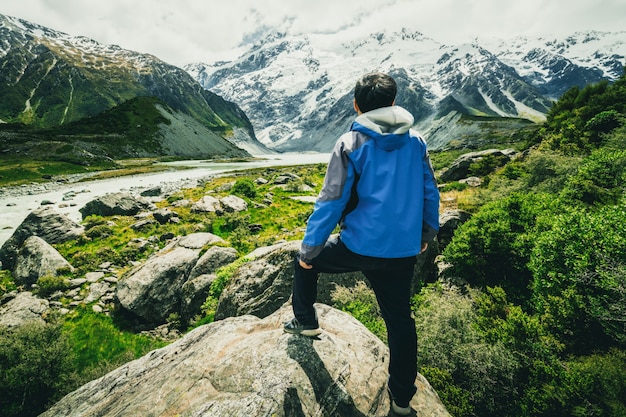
(297, 88)
(50, 78)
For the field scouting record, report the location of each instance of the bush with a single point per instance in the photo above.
(6, 282)
(35, 368)
(596, 385)
(578, 278)
(244, 187)
(49, 284)
(449, 341)
(600, 179)
(493, 247)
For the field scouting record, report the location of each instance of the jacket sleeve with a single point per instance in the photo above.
(330, 203)
(430, 225)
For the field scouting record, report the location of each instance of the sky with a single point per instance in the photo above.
(181, 32)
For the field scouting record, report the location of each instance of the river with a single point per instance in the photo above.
(14, 207)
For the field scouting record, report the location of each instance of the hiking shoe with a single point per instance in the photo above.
(397, 410)
(294, 327)
(401, 411)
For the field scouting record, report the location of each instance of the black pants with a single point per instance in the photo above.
(391, 281)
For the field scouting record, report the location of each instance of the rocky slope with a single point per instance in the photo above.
(246, 366)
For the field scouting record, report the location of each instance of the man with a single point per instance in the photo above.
(380, 188)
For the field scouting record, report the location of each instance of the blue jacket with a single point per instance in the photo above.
(379, 187)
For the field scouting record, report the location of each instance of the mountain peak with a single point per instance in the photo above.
(297, 90)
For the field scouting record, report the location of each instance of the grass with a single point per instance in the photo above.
(18, 171)
(96, 339)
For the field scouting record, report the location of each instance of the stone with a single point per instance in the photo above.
(152, 290)
(214, 258)
(123, 203)
(207, 204)
(472, 181)
(151, 192)
(286, 178)
(24, 307)
(97, 290)
(449, 221)
(46, 223)
(233, 204)
(36, 259)
(246, 366)
(94, 276)
(164, 216)
(263, 284)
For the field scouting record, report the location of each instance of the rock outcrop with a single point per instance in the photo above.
(24, 307)
(246, 366)
(46, 223)
(264, 284)
(36, 259)
(449, 221)
(123, 204)
(153, 290)
(460, 168)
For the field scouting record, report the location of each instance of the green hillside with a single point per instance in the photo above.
(142, 127)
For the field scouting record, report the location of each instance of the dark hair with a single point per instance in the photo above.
(375, 90)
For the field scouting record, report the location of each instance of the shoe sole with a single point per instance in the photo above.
(308, 333)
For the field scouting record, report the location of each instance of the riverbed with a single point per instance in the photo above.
(68, 198)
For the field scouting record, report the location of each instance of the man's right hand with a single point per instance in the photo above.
(424, 247)
(304, 264)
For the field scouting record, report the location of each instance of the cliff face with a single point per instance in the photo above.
(246, 366)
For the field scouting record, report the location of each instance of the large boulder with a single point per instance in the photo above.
(207, 204)
(36, 259)
(123, 204)
(46, 223)
(233, 204)
(196, 289)
(152, 290)
(23, 308)
(461, 166)
(263, 284)
(246, 366)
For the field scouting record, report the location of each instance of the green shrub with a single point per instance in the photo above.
(6, 282)
(595, 385)
(457, 400)
(493, 247)
(35, 368)
(244, 187)
(360, 301)
(600, 179)
(453, 186)
(449, 341)
(578, 277)
(50, 284)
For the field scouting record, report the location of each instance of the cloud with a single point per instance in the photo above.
(197, 30)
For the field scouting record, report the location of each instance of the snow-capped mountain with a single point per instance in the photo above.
(297, 89)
